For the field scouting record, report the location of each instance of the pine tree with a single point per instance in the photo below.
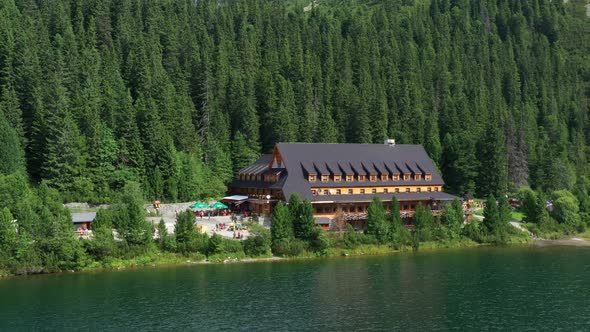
(13, 158)
(424, 222)
(376, 223)
(394, 219)
(282, 224)
(184, 229)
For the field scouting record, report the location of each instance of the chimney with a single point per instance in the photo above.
(389, 142)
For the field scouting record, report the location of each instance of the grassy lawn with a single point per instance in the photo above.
(517, 215)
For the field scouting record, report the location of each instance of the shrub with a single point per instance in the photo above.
(288, 247)
(320, 241)
(259, 241)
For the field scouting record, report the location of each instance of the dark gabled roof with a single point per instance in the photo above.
(345, 166)
(321, 167)
(308, 168)
(257, 167)
(333, 167)
(296, 155)
(380, 166)
(358, 168)
(368, 166)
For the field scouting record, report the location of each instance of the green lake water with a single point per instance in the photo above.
(508, 289)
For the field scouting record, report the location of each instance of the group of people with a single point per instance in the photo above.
(219, 226)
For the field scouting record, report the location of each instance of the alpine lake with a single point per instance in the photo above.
(486, 288)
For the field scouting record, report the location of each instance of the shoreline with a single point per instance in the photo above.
(343, 253)
(570, 242)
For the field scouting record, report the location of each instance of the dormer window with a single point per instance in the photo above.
(362, 178)
(418, 176)
(311, 178)
(373, 178)
(407, 176)
(349, 178)
(337, 178)
(384, 177)
(325, 178)
(395, 177)
(428, 177)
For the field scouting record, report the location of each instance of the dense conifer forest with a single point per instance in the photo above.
(178, 95)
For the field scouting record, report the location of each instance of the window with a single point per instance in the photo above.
(396, 177)
(374, 190)
(418, 190)
(407, 190)
(404, 206)
(326, 192)
(397, 190)
(384, 177)
(418, 177)
(429, 189)
(314, 192)
(373, 178)
(436, 189)
(385, 191)
(407, 177)
(412, 207)
(350, 191)
(349, 178)
(338, 192)
(361, 178)
(325, 178)
(337, 178)
(428, 177)
(362, 191)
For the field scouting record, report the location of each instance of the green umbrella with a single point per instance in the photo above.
(199, 205)
(219, 206)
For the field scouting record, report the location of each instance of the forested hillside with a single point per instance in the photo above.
(178, 95)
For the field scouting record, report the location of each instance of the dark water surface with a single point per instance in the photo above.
(514, 289)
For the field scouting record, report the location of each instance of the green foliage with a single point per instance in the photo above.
(377, 225)
(258, 242)
(8, 232)
(485, 87)
(452, 218)
(320, 241)
(566, 209)
(424, 222)
(290, 247)
(185, 232)
(129, 218)
(282, 224)
(219, 245)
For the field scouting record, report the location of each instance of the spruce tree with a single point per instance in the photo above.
(376, 220)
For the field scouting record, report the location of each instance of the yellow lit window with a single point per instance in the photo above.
(407, 190)
(325, 178)
(349, 178)
(407, 177)
(428, 177)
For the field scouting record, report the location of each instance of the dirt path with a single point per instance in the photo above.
(575, 242)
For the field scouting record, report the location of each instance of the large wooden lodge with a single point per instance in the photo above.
(345, 176)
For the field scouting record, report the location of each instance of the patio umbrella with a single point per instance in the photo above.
(199, 206)
(218, 206)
